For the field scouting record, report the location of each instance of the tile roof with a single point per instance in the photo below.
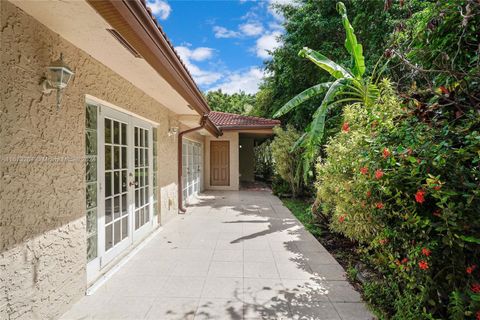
(224, 120)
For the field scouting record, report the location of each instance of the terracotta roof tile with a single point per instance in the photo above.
(226, 120)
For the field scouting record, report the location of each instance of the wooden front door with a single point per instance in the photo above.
(220, 163)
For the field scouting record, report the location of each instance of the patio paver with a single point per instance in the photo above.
(234, 255)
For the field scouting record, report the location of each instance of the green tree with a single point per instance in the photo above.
(239, 103)
(315, 24)
(287, 164)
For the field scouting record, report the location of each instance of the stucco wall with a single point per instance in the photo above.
(42, 221)
(246, 156)
(234, 169)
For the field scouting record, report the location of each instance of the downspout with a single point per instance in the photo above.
(181, 209)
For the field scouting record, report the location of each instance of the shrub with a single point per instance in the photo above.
(287, 164)
(409, 192)
(263, 161)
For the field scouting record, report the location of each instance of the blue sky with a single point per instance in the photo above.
(223, 43)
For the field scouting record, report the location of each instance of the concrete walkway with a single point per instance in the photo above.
(234, 255)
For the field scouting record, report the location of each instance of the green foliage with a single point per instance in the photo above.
(440, 46)
(316, 24)
(343, 152)
(287, 164)
(280, 187)
(456, 306)
(349, 84)
(408, 191)
(263, 161)
(302, 211)
(239, 103)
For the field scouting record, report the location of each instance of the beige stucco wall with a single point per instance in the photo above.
(42, 221)
(234, 166)
(246, 156)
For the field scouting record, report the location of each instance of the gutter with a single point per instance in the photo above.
(204, 123)
(138, 26)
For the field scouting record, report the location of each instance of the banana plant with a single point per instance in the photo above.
(350, 86)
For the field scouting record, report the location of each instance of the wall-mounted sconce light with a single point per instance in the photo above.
(172, 131)
(59, 74)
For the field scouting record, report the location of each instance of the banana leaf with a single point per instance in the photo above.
(326, 64)
(302, 97)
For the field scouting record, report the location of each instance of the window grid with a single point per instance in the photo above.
(116, 164)
(142, 208)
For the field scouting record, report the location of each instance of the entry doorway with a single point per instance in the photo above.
(219, 163)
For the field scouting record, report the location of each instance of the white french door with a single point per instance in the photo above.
(125, 177)
(191, 169)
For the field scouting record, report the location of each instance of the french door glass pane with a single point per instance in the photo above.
(116, 163)
(142, 201)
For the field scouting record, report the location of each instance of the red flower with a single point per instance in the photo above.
(369, 193)
(404, 260)
(386, 153)
(341, 218)
(424, 265)
(436, 188)
(471, 268)
(475, 288)
(346, 127)
(363, 170)
(379, 205)
(383, 241)
(437, 213)
(444, 90)
(378, 174)
(477, 315)
(420, 196)
(426, 252)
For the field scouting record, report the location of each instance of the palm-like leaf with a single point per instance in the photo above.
(317, 127)
(326, 64)
(350, 86)
(351, 44)
(302, 97)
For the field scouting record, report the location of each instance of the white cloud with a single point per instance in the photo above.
(198, 54)
(160, 8)
(251, 28)
(202, 77)
(221, 32)
(278, 16)
(266, 43)
(246, 81)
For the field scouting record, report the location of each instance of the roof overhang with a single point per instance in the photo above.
(133, 21)
(158, 71)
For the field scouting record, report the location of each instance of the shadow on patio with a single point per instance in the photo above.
(234, 255)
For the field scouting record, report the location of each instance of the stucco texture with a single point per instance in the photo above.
(42, 221)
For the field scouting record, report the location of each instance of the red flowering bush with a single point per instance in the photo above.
(412, 193)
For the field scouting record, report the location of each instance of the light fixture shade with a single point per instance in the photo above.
(60, 73)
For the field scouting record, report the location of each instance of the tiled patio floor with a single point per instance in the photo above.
(235, 255)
